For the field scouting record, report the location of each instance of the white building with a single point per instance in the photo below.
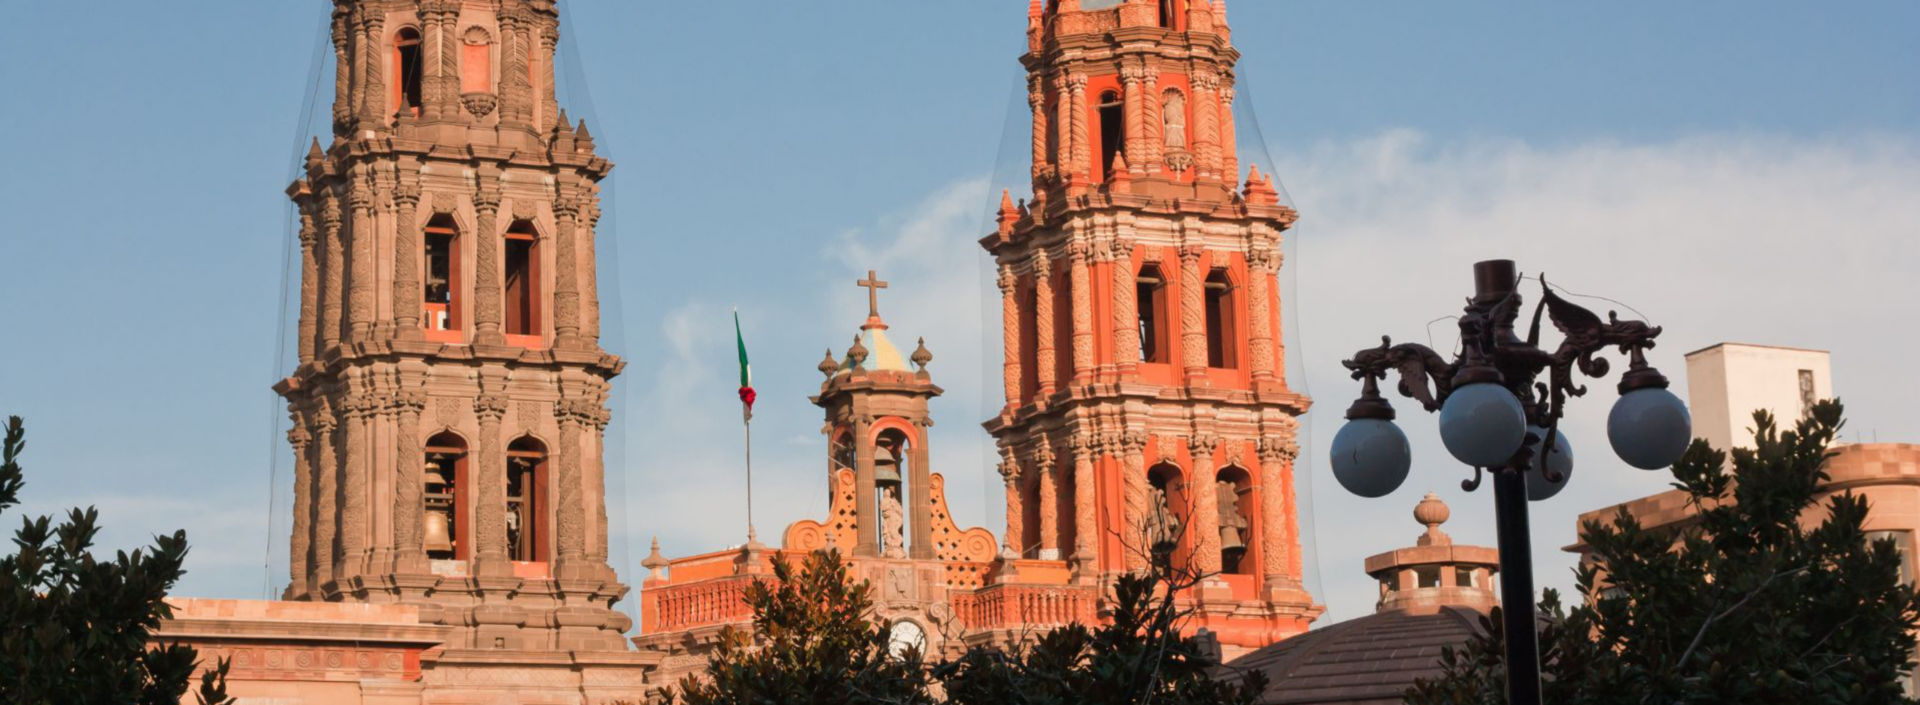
(1728, 381)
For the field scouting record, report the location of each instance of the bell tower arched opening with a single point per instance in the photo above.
(445, 492)
(526, 500)
(407, 68)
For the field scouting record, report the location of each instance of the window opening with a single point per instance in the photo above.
(1219, 320)
(444, 484)
(440, 313)
(407, 63)
(1112, 131)
(1146, 292)
(1463, 577)
(520, 280)
(1169, 14)
(1232, 487)
(526, 463)
(1428, 575)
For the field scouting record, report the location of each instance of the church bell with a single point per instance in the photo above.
(437, 534)
(886, 467)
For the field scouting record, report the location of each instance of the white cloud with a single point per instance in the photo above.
(1743, 237)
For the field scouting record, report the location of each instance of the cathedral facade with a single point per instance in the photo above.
(449, 404)
(1146, 399)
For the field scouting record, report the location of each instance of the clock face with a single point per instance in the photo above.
(905, 635)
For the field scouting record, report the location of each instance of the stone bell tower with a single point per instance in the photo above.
(1146, 398)
(450, 401)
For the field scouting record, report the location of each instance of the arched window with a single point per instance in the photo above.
(891, 470)
(1148, 303)
(522, 281)
(407, 68)
(1219, 319)
(1166, 510)
(444, 492)
(442, 282)
(526, 505)
(1113, 130)
(1233, 495)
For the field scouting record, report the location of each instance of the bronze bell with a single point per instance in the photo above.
(438, 536)
(1230, 540)
(886, 468)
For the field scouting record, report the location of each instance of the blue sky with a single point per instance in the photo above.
(1737, 171)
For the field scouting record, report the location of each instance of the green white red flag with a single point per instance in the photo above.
(746, 371)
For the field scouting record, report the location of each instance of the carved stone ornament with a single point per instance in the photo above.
(477, 36)
(447, 411)
(490, 406)
(479, 105)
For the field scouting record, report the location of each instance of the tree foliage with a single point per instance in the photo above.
(1139, 656)
(78, 629)
(1747, 605)
(816, 640)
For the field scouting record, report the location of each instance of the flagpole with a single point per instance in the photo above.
(746, 422)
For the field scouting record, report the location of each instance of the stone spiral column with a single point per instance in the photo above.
(1153, 122)
(1063, 111)
(1010, 333)
(433, 45)
(325, 547)
(549, 48)
(409, 470)
(343, 70)
(1229, 147)
(486, 258)
(356, 410)
(1277, 542)
(1262, 263)
(300, 546)
(309, 283)
(590, 287)
(566, 274)
(570, 531)
(332, 303)
(1049, 499)
(1086, 517)
(1043, 353)
(408, 295)
(595, 467)
(1079, 278)
(1206, 116)
(1037, 101)
(1082, 139)
(1204, 522)
(373, 101)
(1134, 103)
(1193, 320)
(451, 106)
(516, 106)
(1126, 313)
(361, 269)
(1013, 543)
(1131, 447)
(490, 496)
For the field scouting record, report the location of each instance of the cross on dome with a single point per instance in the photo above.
(873, 286)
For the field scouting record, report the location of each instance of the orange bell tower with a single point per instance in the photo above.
(1146, 395)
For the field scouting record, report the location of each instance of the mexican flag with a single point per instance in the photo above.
(746, 370)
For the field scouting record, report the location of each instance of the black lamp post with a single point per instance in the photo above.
(1496, 414)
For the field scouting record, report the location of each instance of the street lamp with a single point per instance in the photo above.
(1496, 415)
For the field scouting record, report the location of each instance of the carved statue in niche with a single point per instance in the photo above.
(1233, 526)
(1173, 117)
(892, 523)
(1163, 526)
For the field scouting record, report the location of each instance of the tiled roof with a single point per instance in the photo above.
(1372, 659)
